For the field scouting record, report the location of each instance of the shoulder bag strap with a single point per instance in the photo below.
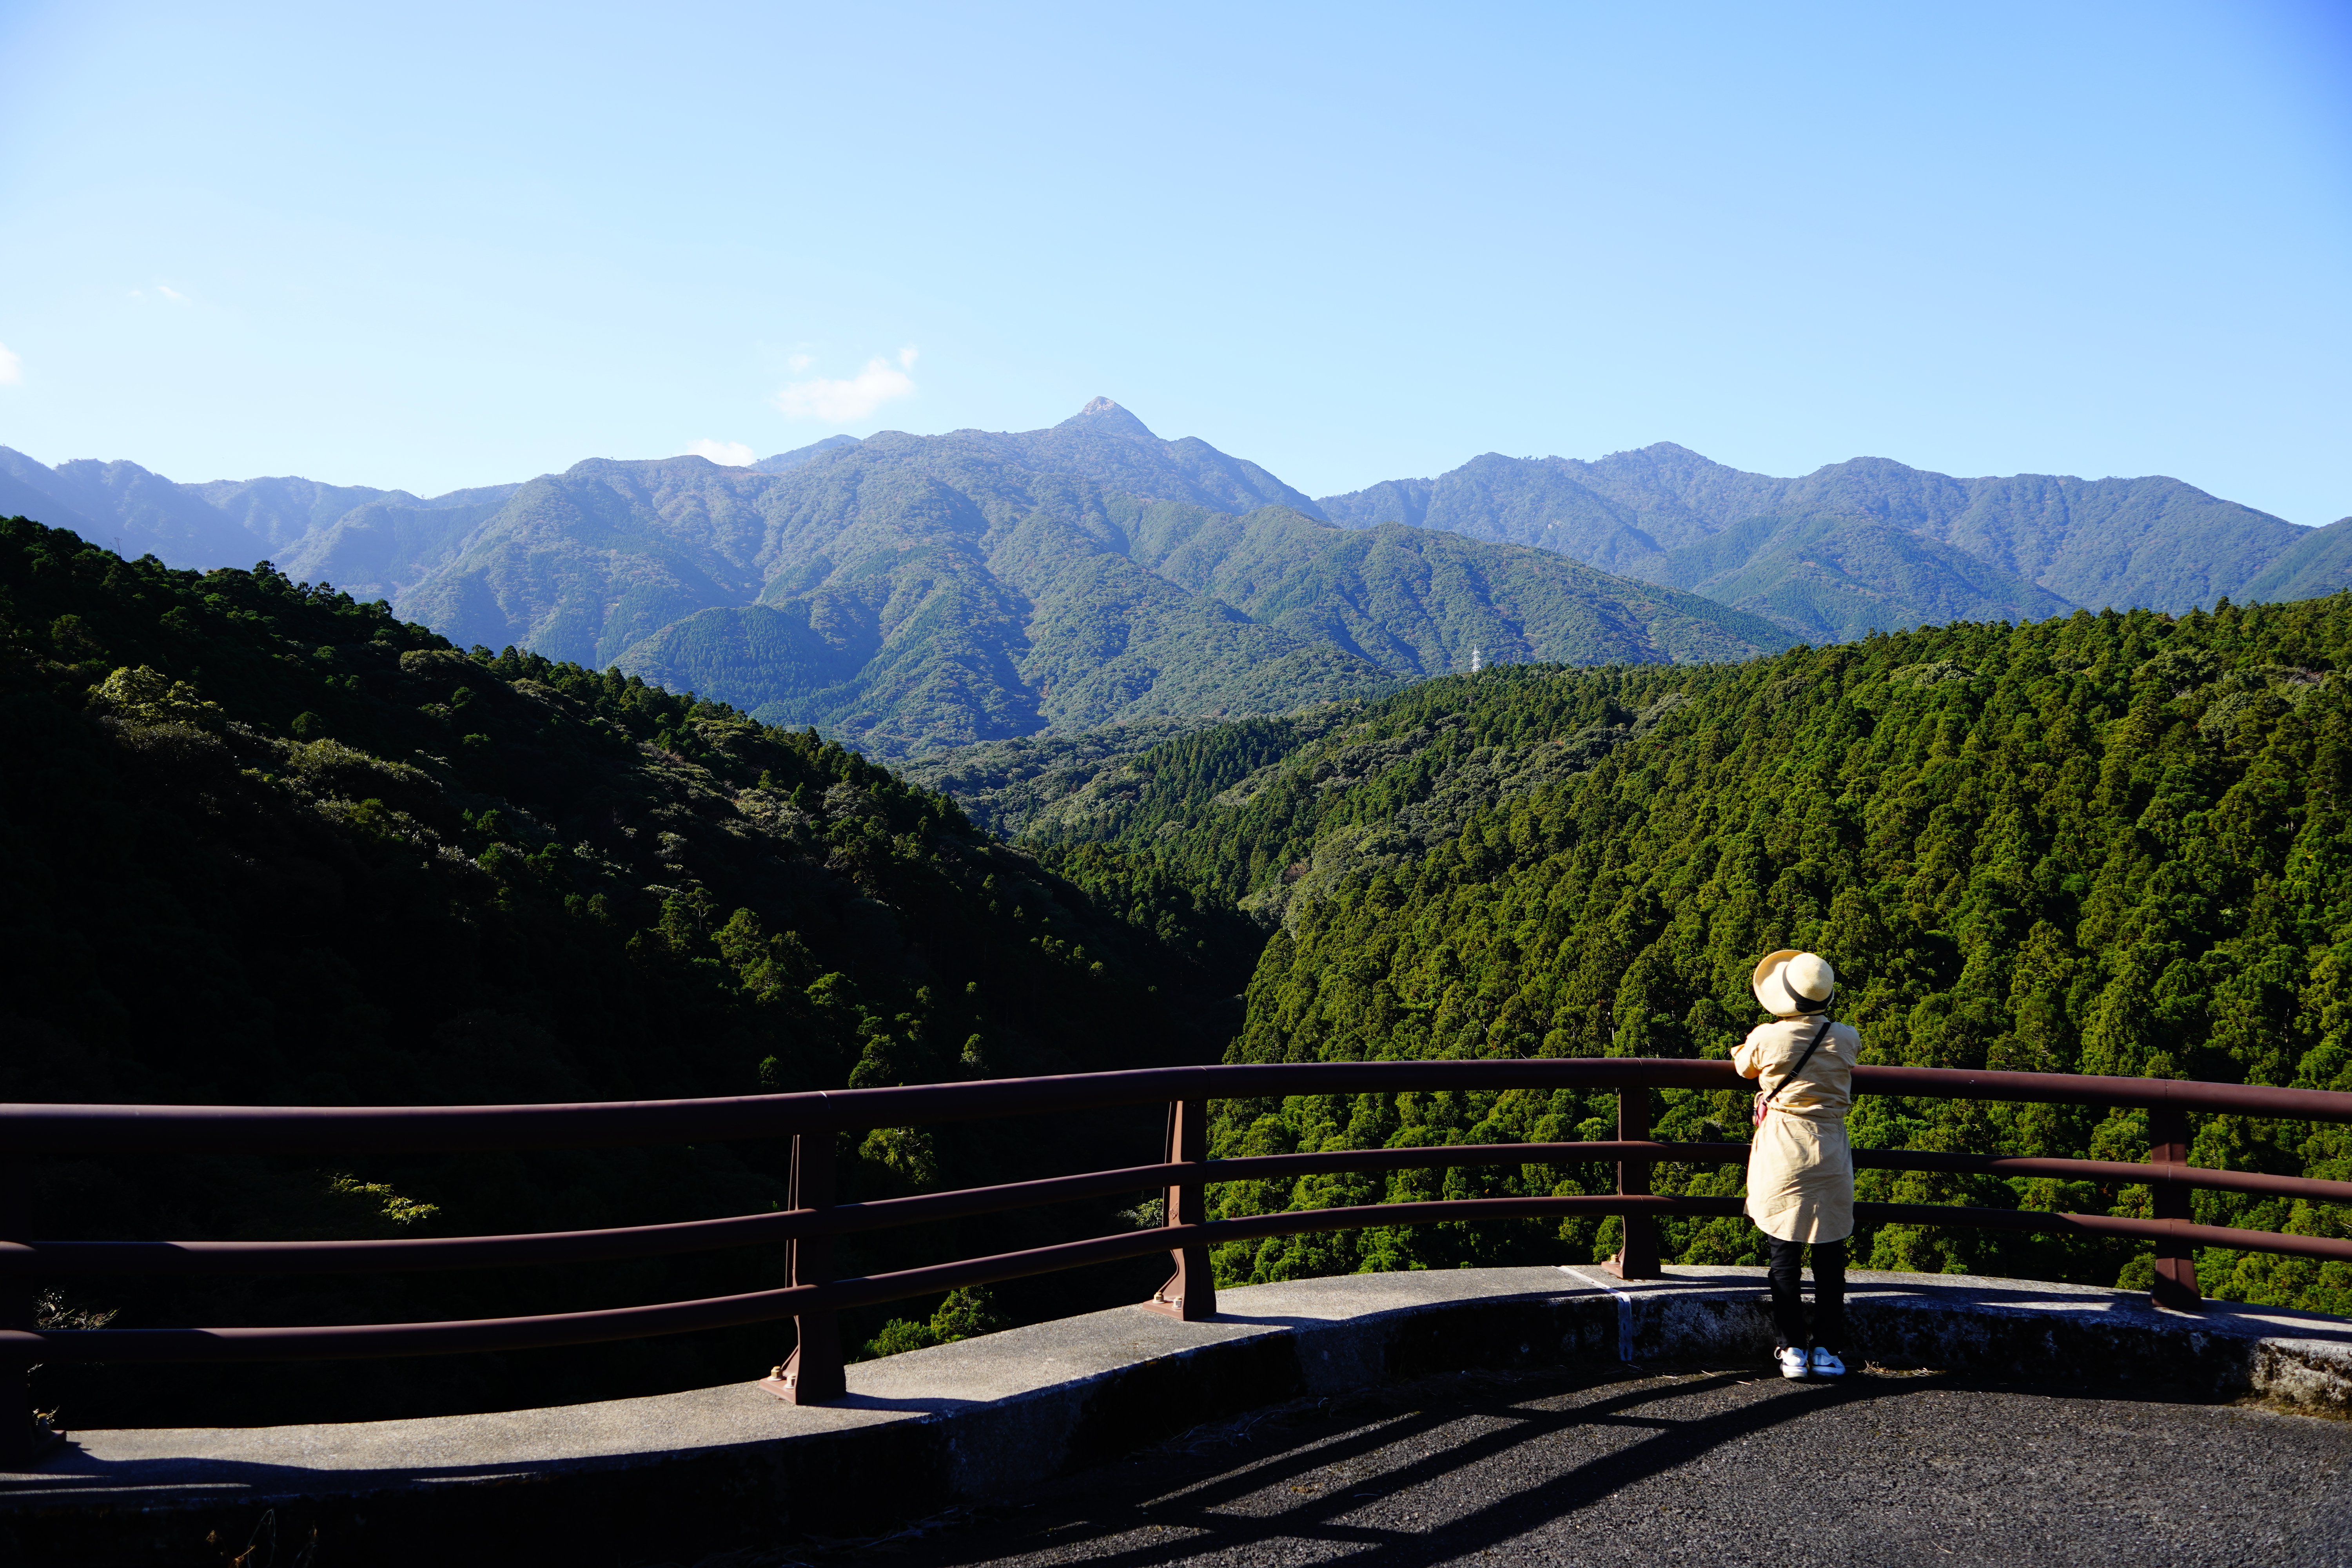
(1814, 1045)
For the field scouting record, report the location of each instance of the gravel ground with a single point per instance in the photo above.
(1691, 1467)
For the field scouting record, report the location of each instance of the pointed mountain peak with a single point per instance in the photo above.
(1104, 417)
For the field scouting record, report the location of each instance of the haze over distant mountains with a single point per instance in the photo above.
(913, 593)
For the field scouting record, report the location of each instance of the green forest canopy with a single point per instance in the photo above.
(270, 845)
(267, 844)
(2108, 844)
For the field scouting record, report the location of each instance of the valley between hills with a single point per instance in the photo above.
(926, 759)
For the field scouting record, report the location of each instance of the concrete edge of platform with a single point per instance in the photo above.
(2017, 1329)
(669, 1479)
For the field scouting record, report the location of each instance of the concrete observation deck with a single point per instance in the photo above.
(679, 1477)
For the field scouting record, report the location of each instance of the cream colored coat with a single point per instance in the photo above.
(1800, 1167)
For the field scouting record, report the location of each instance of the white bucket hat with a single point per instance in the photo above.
(1788, 981)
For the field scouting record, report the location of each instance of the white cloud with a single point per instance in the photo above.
(841, 402)
(726, 454)
(12, 368)
(798, 363)
(171, 293)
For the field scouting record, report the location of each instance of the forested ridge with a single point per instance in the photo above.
(267, 844)
(2108, 844)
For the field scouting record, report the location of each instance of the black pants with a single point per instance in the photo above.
(1829, 1293)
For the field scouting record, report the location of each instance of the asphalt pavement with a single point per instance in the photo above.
(1699, 1465)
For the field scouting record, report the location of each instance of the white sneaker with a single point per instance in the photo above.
(1826, 1363)
(1792, 1361)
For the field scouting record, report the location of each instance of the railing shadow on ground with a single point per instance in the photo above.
(1654, 1455)
(856, 1474)
(813, 1374)
(1205, 1515)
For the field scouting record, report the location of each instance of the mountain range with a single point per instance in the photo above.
(1872, 543)
(910, 594)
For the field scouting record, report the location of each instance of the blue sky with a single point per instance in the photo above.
(432, 246)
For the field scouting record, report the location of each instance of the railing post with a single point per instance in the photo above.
(17, 1449)
(812, 1373)
(2176, 1264)
(1191, 1292)
(1639, 1257)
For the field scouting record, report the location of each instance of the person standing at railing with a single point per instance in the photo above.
(1799, 1166)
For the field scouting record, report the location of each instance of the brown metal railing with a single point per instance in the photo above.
(815, 1295)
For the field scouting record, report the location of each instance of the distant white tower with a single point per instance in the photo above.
(1478, 660)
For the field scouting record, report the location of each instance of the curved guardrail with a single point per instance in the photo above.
(815, 1295)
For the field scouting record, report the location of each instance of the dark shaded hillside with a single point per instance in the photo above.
(261, 844)
(2111, 843)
